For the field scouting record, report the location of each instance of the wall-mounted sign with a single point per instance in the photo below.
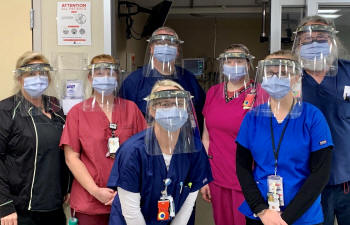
(73, 23)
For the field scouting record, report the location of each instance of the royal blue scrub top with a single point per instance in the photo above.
(136, 87)
(328, 97)
(304, 134)
(137, 171)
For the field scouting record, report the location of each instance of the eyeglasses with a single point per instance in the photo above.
(36, 73)
(105, 72)
(168, 103)
(307, 38)
(270, 72)
(233, 61)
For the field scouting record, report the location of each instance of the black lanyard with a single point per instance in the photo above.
(236, 93)
(276, 151)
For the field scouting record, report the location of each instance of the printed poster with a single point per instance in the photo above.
(73, 23)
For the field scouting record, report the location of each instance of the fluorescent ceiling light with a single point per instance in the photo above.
(330, 16)
(327, 11)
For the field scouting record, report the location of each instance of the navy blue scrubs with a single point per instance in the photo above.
(136, 87)
(304, 134)
(328, 97)
(137, 171)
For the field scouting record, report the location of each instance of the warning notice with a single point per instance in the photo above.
(73, 23)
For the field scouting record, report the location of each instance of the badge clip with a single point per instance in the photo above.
(166, 206)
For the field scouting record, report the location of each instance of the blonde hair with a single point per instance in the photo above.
(283, 53)
(29, 57)
(102, 57)
(165, 83)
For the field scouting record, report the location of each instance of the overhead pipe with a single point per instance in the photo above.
(263, 35)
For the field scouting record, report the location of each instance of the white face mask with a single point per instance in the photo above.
(104, 85)
(172, 118)
(35, 85)
(165, 53)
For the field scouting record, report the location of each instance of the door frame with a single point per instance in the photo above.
(276, 15)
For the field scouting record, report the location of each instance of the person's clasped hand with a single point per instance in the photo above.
(272, 217)
(104, 195)
(9, 219)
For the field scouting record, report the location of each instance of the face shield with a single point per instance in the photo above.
(35, 79)
(103, 84)
(234, 68)
(281, 79)
(162, 54)
(170, 116)
(316, 48)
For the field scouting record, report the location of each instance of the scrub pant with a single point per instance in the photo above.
(225, 204)
(85, 219)
(336, 203)
(55, 217)
(258, 222)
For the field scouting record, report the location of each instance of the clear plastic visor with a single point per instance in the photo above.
(103, 85)
(172, 123)
(281, 81)
(42, 69)
(316, 48)
(162, 55)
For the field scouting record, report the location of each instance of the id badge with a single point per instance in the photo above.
(113, 146)
(275, 196)
(249, 101)
(346, 94)
(166, 208)
(163, 210)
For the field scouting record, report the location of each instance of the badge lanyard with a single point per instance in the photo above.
(275, 196)
(237, 93)
(113, 142)
(276, 151)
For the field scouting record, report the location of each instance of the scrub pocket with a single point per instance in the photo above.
(344, 112)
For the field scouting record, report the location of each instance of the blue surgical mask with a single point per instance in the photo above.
(234, 73)
(165, 53)
(276, 87)
(172, 118)
(104, 85)
(35, 85)
(314, 50)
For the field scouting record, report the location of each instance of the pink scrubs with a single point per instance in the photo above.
(223, 120)
(87, 133)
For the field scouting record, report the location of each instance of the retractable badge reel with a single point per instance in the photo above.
(113, 142)
(73, 220)
(166, 207)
